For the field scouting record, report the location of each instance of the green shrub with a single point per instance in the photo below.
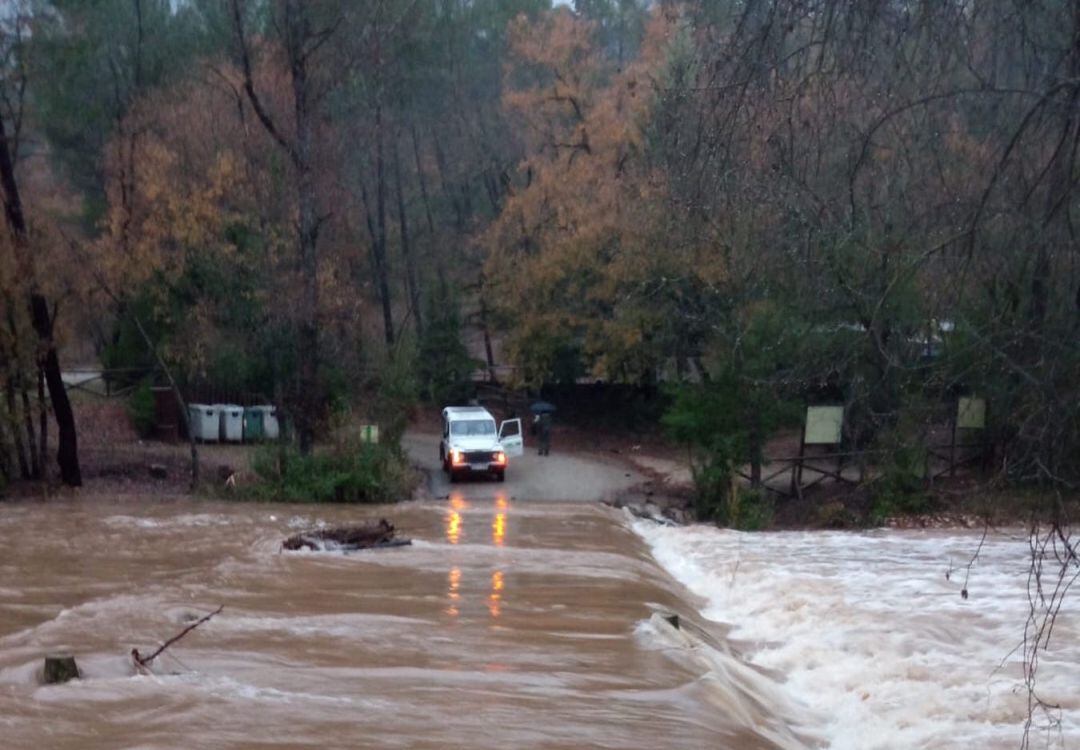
(712, 488)
(901, 488)
(835, 515)
(717, 499)
(354, 473)
(140, 409)
(711, 420)
(750, 510)
(726, 419)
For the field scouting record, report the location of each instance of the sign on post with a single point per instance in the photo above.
(824, 425)
(369, 433)
(971, 413)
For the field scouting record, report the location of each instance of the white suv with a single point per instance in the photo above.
(470, 442)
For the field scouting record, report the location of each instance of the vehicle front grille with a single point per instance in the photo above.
(479, 457)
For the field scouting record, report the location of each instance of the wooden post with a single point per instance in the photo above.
(796, 467)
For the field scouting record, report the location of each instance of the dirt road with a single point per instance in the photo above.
(560, 476)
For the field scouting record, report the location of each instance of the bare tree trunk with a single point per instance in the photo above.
(67, 438)
(423, 182)
(492, 192)
(440, 162)
(412, 285)
(11, 362)
(488, 351)
(5, 454)
(756, 446)
(308, 341)
(16, 434)
(31, 435)
(5, 445)
(433, 252)
(381, 272)
(67, 444)
(43, 424)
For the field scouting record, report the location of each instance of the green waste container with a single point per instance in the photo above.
(253, 424)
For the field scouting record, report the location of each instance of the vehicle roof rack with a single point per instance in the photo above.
(466, 410)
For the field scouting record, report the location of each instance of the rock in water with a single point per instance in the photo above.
(60, 668)
(362, 536)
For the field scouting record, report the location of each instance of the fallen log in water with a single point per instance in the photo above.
(368, 535)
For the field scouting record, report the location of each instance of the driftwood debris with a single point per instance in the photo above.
(143, 661)
(60, 668)
(372, 534)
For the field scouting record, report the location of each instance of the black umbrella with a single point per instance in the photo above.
(542, 407)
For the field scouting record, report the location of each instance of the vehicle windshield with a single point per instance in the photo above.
(473, 427)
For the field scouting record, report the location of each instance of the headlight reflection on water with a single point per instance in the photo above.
(455, 533)
(453, 519)
(495, 598)
(453, 584)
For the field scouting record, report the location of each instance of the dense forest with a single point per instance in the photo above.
(743, 204)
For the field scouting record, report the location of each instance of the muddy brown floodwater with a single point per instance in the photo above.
(506, 625)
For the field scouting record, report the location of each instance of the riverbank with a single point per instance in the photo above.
(643, 472)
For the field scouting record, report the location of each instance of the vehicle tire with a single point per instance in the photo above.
(501, 475)
(453, 476)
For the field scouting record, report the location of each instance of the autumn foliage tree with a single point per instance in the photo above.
(888, 181)
(573, 244)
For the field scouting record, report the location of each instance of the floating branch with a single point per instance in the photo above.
(143, 661)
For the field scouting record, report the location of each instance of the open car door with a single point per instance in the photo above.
(511, 438)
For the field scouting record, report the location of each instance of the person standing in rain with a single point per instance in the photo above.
(543, 431)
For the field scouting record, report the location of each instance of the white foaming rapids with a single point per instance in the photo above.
(872, 636)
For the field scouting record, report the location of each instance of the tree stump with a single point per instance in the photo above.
(60, 668)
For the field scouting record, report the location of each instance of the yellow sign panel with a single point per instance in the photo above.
(823, 425)
(369, 433)
(971, 413)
